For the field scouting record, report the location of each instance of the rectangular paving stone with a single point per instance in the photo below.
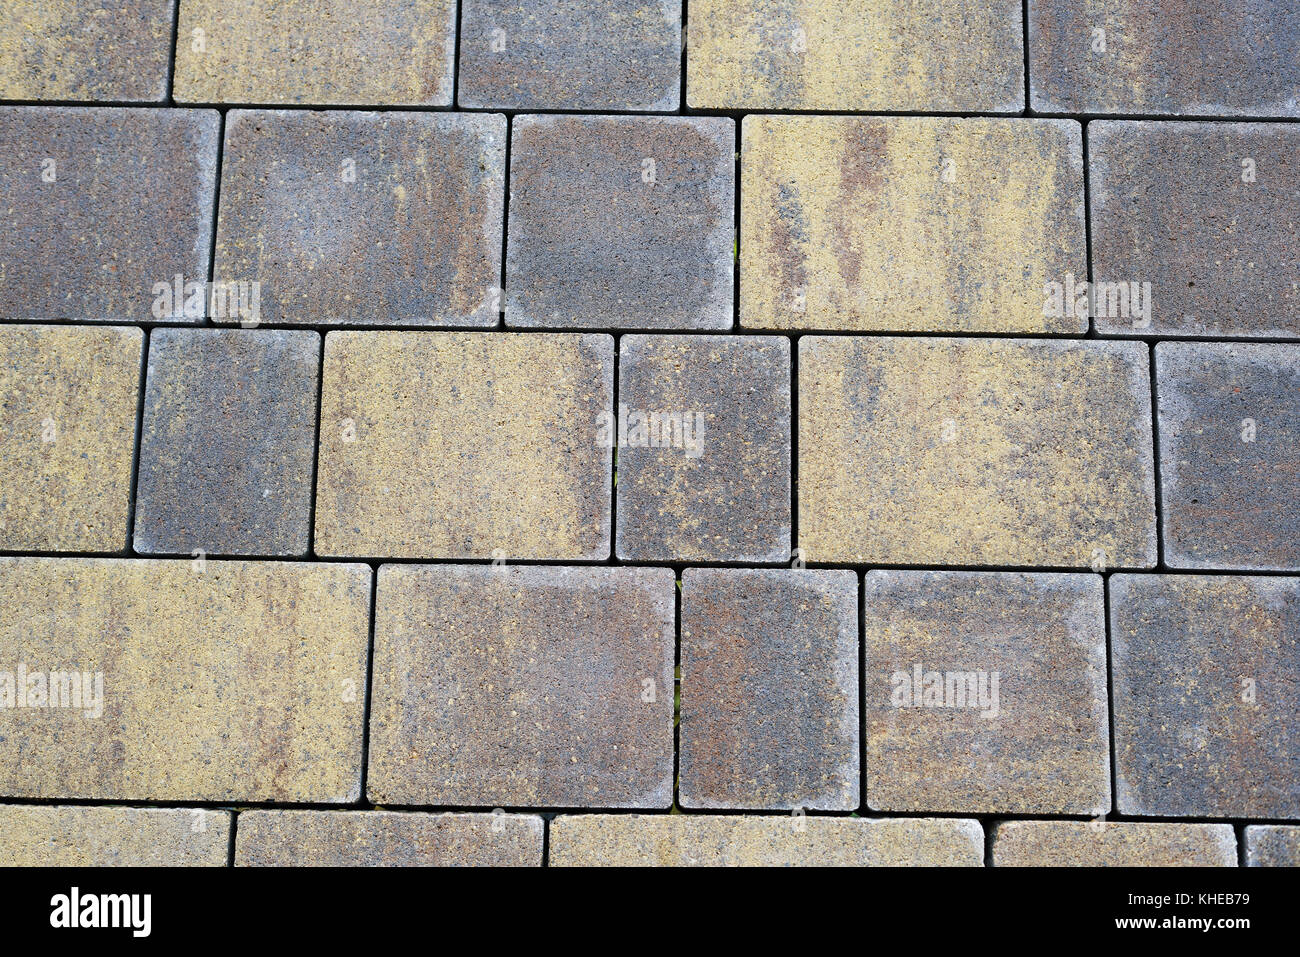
(410, 205)
(387, 839)
(682, 840)
(571, 54)
(1272, 845)
(621, 221)
(464, 445)
(769, 689)
(102, 208)
(1230, 454)
(703, 436)
(316, 52)
(986, 693)
(522, 686)
(43, 835)
(930, 451)
(928, 224)
(1112, 844)
(1212, 58)
(67, 430)
(73, 50)
(1208, 215)
(228, 443)
(922, 55)
(1205, 670)
(201, 681)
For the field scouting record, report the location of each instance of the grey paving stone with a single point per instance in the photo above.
(1112, 844)
(1272, 845)
(621, 221)
(45, 835)
(769, 689)
(228, 442)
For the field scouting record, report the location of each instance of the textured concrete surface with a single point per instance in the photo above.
(769, 688)
(227, 444)
(923, 55)
(67, 436)
(411, 204)
(718, 488)
(45, 835)
(1205, 671)
(986, 693)
(72, 50)
(221, 681)
(1209, 215)
(1112, 844)
(1229, 424)
(678, 840)
(589, 55)
(1210, 58)
(464, 445)
(322, 52)
(520, 686)
(909, 223)
(387, 839)
(975, 452)
(1272, 845)
(621, 222)
(99, 206)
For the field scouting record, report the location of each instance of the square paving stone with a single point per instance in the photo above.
(364, 218)
(1113, 844)
(986, 693)
(1208, 215)
(67, 430)
(42, 835)
(1272, 845)
(1206, 676)
(522, 686)
(684, 840)
(1230, 454)
(571, 54)
(387, 839)
(930, 451)
(922, 55)
(1211, 58)
(155, 680)
(621, 221)
(74, 50)
(769, 689)
(358, 53)
(703, 435)
(465, 445)
(228, 444)
(928, 224)
(102, 208)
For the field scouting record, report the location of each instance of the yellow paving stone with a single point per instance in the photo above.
(42, 835)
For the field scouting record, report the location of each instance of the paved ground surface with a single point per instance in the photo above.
(585, 432)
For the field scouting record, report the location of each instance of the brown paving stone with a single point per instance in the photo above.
(1272, 845)
(679, 840)
(464, 445)
(718, 487)
(1036, 742)
(221, 681)
(387, 839)
(364, 218)
(77, 836)
(769, 686)
(923, 55)
(933, 451)
(1112, 844)
(101, 206)
(1206, 673)
(67, 436)
(307, 52)
(522, 686)
(909, 223)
